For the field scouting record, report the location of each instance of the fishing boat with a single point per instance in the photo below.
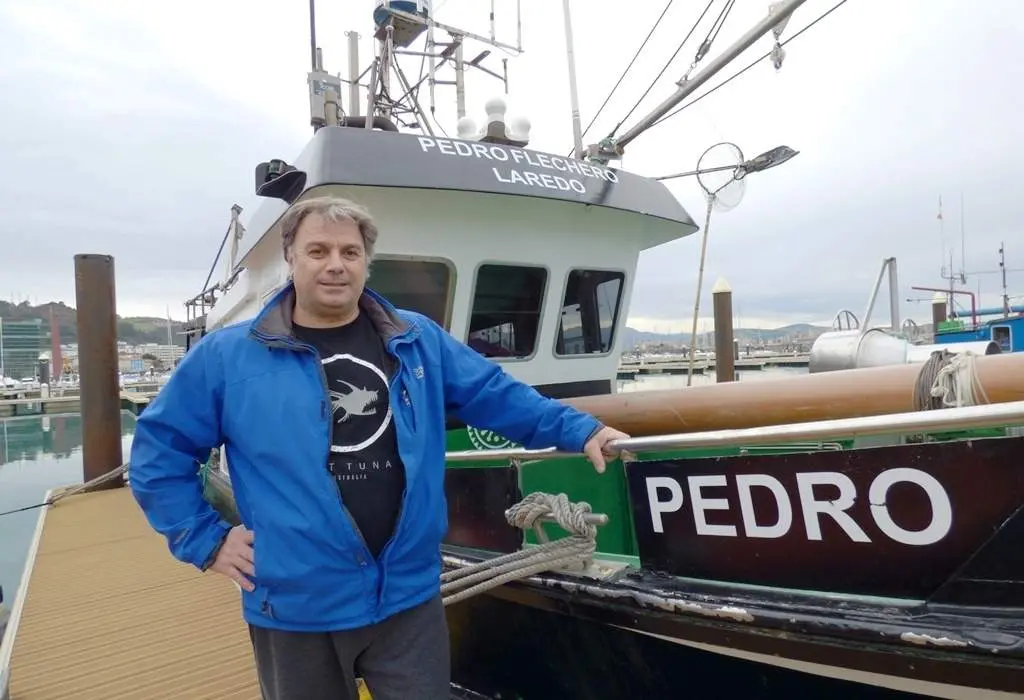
(852, 526)
(1006, 329)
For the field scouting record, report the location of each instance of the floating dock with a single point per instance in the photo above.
(633, 368)
(104, 611)
(132, 401)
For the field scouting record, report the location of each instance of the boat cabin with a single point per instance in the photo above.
(1007, 333)
(528, 257)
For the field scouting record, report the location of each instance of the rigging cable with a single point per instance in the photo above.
(632, 61)
(662, 72)
(746, 68)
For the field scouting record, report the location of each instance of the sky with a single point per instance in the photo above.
(130, 129)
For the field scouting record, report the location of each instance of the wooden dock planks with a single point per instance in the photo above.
(110, 614)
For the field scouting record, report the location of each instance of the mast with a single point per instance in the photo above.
(577, 128)
(614, 148)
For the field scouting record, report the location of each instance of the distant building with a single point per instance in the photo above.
(22, 343)
(166, 355)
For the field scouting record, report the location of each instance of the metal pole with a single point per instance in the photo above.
(2, 372)
(353, 73)
(577, 128)
(941, 419)
(97, 363)
(894, 296)
(460, 80)
(312, 34)
(1002, 266)
(702, 171)
(688, 87)
(700, 283)
(370, 94)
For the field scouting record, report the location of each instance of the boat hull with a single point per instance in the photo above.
(543, 641)
(895, 566)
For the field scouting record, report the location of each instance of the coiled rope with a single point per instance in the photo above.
(948, 380)
(577, 548)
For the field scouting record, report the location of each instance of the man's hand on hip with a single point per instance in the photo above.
(598, 449)
(235, 558)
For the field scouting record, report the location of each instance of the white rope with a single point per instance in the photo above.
(577, 548)
(957, 384)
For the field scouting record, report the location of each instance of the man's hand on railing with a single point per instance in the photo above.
(598, 449)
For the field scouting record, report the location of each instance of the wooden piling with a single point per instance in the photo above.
(725, 357)
(97, 359)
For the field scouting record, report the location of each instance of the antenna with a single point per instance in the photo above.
(963, 243)
(1002, 268)
(392, 98)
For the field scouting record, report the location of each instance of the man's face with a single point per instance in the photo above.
(328, 265)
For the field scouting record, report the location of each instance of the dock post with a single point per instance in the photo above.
(725, 358)
(98, 371)
(938, 312)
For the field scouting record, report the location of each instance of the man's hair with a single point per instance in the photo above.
(335, 209)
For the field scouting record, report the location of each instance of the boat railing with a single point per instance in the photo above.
(945, 419)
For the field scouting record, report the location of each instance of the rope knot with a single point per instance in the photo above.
(576, 549)
(570, 516)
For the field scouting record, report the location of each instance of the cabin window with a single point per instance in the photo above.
(507, 304)
(423, 286)
(1002, 337)
(590, 310)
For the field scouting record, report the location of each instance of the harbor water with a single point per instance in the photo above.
(37, 453)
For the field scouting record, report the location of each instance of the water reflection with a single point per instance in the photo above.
(37, 453)
(58, 437)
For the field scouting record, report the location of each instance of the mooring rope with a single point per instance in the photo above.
(101, 479)
(948, 380)
(577, 548)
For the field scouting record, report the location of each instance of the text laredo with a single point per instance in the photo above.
(516, 175)
(813, 509)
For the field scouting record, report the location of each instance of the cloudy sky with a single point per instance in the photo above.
(131, 130)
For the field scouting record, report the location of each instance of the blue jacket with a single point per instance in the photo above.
(259, 392)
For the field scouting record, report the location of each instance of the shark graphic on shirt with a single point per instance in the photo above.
(357, 402)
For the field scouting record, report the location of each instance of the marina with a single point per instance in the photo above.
(839, 520)
(632, 368)
(132, 401)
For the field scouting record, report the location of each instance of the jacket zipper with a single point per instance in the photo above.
(290, 344)
(385, 550)
(334, 478)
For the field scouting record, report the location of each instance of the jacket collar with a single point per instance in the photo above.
(275, 319)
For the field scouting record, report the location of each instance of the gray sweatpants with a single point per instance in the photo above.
(405, 657)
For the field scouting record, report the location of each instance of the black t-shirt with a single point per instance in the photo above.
(364, 451)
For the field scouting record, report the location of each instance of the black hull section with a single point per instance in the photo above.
(559, 637)
(900, 560)
(506, 649)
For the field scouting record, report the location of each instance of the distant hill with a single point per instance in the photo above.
(632, 337)
(134, 330)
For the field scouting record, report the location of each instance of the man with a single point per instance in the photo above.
(331, 408)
